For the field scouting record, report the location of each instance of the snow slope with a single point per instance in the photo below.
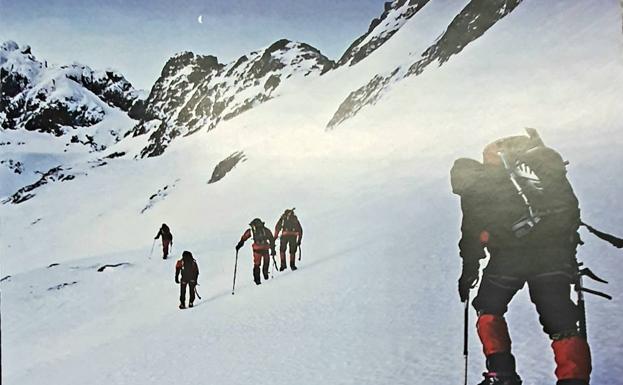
(374, 301)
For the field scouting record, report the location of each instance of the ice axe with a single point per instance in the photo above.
(196, 292)
(275, 263)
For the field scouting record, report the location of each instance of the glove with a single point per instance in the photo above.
(177, 280)
(239, 245)
(468, 279)
(273, 252)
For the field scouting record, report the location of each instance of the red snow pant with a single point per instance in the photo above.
(288, 241)
(557, 313)
(165, 247)
(260, 258)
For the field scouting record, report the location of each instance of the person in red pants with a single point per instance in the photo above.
(189, 270)
(519, 205)
(263, 243)
(167, 239)
(291, 237)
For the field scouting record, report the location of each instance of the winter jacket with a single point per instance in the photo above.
(188, 269)
(262, 239)
(491, 205)
(166, 234)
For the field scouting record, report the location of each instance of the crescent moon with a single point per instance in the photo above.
(200, 19)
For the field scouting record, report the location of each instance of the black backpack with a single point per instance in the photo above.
(261, 235)
(289, 221)
(539, 176)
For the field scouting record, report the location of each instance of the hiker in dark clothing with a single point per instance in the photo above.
(519, 205)
(189, 270)
(263, 242)
(167, 239)
(291, 236)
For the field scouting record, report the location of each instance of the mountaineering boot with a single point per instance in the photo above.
(282, 259)
(293, 262)
(182, 305)
(492, 378)
(266, 269)
(572, 382)
(256, 275)
(190, 304)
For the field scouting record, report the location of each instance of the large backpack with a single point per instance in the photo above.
(188, 270)
(260, 234)
(539, 176)
(289, 221)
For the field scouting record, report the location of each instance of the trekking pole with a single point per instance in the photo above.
(196, 292)
(235, 269)
(465, 329)
(152, 248)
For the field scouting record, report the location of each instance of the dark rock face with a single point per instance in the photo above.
(15, 166)
(62, 285)
(52, 175)
(104, 267)
(159, 196)
(116, 154)
(473, 21)
(365, 95)
(381, 30)
(111, 87)
(226, 165)
(54, 100)
(470, 24)
(196, 92)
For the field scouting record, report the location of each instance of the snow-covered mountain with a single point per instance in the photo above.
(374, 300)
(197, 92)
(471, 23)
(51, 115)
(60, 100)
(381, 29)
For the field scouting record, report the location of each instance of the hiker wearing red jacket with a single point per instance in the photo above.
(291, 236)
(263, 243)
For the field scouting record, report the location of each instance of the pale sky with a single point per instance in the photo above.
(137, 37)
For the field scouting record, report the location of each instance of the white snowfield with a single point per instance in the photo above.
(374, 300)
